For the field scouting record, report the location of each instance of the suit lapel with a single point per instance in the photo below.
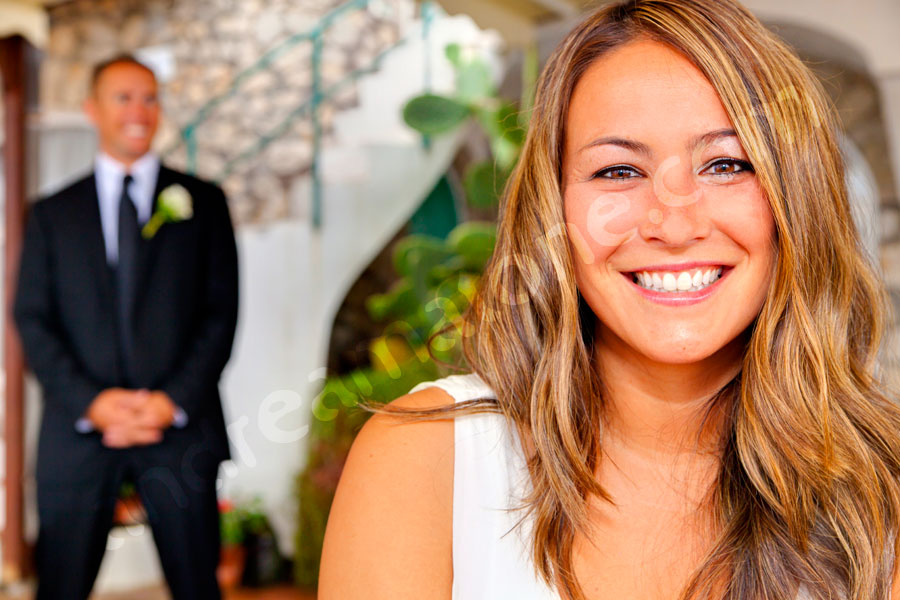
(95, 246)
(148, 249)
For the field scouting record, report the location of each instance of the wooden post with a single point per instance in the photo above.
(12, 71)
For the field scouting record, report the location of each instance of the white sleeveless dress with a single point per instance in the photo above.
(491, 556)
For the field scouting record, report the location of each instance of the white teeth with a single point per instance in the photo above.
(681, 281)
(135, 130)
(670, 284)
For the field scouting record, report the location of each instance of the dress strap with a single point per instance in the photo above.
(460, 387)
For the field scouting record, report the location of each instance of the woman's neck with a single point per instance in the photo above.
(662, 409)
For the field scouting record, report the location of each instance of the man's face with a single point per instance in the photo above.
(125, 109)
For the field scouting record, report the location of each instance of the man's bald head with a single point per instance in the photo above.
(124, 107)
(121, 59)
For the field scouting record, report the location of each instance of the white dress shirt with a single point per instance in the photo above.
(110, 174)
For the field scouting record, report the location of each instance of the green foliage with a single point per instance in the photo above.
(433, 115)
(484, 183)
(338, 418)
(231, 528)
(474, 242)
(127, 490)
(453, 52)
(255, 519)
(501, 120)
(473, 75)
(237, 521)
(509, 125)
(415, 258)
(530, 70)
(422, 310)
(400, 299)
(437, 281)
(474, 81)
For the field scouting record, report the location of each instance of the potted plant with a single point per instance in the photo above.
(264, 564)
(233, 555)
(129, 510)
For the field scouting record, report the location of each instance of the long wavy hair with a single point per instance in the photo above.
(807, 493)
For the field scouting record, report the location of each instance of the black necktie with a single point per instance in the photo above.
(129, 238)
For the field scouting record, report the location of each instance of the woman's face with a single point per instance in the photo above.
(672, 236)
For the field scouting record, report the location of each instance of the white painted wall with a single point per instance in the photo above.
(869, 25)
(293, 281)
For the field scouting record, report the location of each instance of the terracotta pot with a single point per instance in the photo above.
(129, 511)
(264, 565)
(231, 566)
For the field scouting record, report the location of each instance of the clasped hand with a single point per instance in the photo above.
(131, 417)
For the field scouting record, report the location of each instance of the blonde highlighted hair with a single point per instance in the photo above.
(808, 490)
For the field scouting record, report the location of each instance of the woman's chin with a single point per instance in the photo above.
(687, 350)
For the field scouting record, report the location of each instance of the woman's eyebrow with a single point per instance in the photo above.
(695, 142)
(633, 145)
(710, 137)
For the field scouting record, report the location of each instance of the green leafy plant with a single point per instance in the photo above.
(437, 281)
(238, 520)
(231, 523)
(433, 115)
(476, 97)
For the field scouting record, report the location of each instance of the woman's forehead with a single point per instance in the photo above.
(639, 90)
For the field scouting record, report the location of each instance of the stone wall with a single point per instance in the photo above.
(209, 42)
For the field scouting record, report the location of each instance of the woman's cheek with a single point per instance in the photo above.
(744, 215)
(599, 222)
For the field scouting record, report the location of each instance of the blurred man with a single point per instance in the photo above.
(126, 306)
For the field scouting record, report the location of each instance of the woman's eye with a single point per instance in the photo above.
(616, 172)
(729, 166)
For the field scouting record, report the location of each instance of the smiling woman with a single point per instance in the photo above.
(674, 351)
(672, 151)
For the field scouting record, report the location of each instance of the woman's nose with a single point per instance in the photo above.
(676, 216)
(675, 226)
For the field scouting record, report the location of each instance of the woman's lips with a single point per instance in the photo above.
(679, 286)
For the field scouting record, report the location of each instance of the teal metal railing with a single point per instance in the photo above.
(428, 15)
(308, 107)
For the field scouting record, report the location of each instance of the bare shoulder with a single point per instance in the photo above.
(392, 515)
(895, 584)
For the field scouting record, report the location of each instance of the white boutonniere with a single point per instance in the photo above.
(174, 204)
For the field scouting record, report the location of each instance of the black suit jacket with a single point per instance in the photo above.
(184, 320)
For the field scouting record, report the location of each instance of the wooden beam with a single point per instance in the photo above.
(563, 8)
(12, 72)
(513, 20)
